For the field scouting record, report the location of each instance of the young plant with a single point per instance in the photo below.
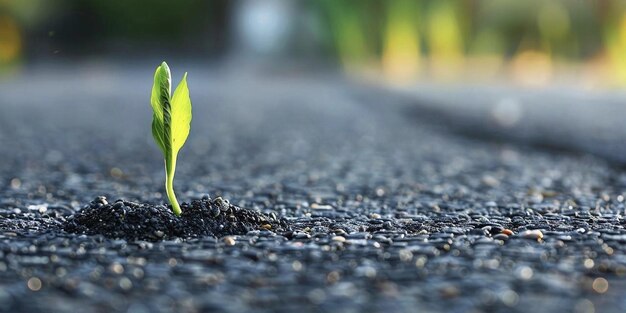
(171, 121)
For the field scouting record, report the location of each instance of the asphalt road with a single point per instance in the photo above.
(567, 118)
(391, 208)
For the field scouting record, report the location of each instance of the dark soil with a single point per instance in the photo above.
(201, 218)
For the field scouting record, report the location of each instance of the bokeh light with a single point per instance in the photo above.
(532, 43)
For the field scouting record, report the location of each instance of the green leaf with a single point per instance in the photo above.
(171, 122)
(181, 114)
(160, 101)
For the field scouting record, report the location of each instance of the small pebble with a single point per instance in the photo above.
(532, 234)
(600, 285)
(501, 237)
(302, 236)
(223, 204)
(117, 268)
(102, 200)
(339, 238)
(229, 240)
(507, 232)
(125, 283)
(34, 284)
(317, 206)
(449, 292)
(339, 232)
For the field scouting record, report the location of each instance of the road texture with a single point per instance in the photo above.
(389, 208)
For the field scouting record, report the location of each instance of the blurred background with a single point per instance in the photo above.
(550, 73)
(529, 43)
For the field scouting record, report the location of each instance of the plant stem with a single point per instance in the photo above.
(170, 169)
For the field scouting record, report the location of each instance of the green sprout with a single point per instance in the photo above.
(171, 122)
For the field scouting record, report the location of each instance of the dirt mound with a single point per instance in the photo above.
(206, 217)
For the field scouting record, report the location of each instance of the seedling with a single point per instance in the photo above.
(171, 121)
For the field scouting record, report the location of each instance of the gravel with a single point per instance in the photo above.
(369, 209)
